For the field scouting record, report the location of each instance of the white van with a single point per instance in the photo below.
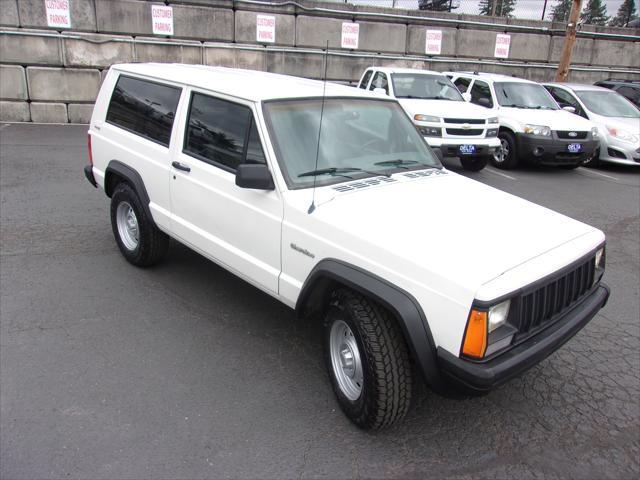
(331, 202)
(445, 120)
(533, 128)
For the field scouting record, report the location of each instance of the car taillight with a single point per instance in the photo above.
(90, 153)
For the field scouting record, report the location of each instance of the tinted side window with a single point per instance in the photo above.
(255, 154)
(217, 130)
(479, 91)
(380, 81)
(462, 84)
(564, 99)
(365, 79)
(631, 93)
(144, 107)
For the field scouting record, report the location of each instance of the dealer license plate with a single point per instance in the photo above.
(467, 149)
(574, 147)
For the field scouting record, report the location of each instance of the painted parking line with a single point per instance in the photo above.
(591, 172)
(495, 172)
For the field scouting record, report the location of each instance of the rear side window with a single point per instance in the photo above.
(222, 133)
(481, 94)
(365, 79)
(462, 84)
(144, 107)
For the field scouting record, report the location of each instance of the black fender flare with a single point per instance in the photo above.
(131, 176)
(401, 304)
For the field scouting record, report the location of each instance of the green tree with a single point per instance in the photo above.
(561, 11)
(626, 13)
(595, 13)
(504, 8)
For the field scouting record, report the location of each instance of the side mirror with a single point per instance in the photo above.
(254, 176)
(380, 91)
(484, 102)
(466, 96)
(569, 109)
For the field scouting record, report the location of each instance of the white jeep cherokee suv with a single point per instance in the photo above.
(332, 203)
(532, 126)
(445, 120)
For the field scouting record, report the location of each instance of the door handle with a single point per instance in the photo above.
(181, 166)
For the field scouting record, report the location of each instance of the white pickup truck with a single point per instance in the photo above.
(331, 202)
(445, 120)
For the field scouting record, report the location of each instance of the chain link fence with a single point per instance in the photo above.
(523, 9)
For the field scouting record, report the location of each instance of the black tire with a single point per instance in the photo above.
(594, 161)
(387, 379)
(510, 159)
(152, 244)
(474, 164)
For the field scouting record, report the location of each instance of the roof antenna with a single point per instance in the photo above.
(312, 207)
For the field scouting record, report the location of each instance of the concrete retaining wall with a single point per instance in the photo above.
(52, 74)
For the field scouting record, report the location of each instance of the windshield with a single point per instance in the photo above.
(428, 87)
(359, 138)
(524, 95)
(608, 104)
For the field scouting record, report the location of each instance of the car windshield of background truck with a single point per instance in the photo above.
(524, 95)
(608, 104)
(428, 87)
(359, 138)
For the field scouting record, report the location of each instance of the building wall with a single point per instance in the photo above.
(53, 74)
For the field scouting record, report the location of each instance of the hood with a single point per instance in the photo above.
(624, 123)
(444, 108)
(555, 119)
(444, 226)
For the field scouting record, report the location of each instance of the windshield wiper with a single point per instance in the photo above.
(340, 171)
(403, 163)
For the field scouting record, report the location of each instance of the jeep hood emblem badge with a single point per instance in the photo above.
(573, 134)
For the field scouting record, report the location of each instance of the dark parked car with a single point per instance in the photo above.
(629, 89)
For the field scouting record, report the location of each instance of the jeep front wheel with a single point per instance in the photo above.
(368, 361)
(138, 238)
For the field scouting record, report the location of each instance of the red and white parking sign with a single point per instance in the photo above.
(434, 42)
(502, 45)
(162, 18)
(58, 14)
(350, 34)
(266, 28)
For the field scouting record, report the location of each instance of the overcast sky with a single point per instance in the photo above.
(524, 8)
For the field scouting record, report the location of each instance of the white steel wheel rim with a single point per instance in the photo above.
(127, 223)
(503, 152)
(345, 360)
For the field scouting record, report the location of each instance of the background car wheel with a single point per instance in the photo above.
(594, 160)
(474, 164)
(506, 156)
(139, 240)
(367, 360)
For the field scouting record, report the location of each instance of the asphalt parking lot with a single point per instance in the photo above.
(185, 371)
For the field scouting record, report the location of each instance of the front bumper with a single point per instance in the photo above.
(450, 147)
(552, 151)
(617, 151)
(481, 376)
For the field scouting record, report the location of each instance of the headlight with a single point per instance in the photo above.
(594, 133)
(492, 120)
(492, 132)
(622, 134)
(426, 118)
(537, 130)
(498, 315)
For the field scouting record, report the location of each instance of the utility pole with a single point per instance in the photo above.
(569, 40)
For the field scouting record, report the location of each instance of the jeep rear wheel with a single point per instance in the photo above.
(368, 361)
(138, 238)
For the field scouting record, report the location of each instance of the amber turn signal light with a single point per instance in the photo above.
(475, 337)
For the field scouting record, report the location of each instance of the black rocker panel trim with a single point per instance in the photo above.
(401, 304)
